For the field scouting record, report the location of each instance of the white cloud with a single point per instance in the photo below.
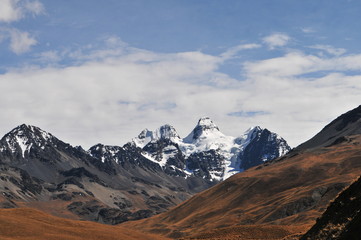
(302, 92)
(20, 42)
(13, 10)
(297, 63)
(276, 40)
(110, 98)
(9, 11)
(329, 49)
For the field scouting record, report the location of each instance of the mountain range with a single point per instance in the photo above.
(311, 192)
(112, 184)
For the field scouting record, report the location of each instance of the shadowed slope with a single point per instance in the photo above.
(30, 224)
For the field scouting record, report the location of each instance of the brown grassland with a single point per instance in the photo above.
(31, 224)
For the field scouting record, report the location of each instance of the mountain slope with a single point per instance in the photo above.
(294, 189)
(342, 219)
(347, 124)
(30, 224)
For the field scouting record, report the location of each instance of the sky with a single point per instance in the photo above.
(94, 72)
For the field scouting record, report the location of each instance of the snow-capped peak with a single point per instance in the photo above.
(205, 127)
(25, 137)
(207, 123)
(217, 155)
(164, 132)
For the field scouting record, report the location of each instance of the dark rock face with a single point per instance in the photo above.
(29, 183)
(263, 147)
(175, 160)
(15, 178)
(342, 219)
(203, 164)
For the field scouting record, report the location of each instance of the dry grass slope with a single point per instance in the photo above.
(31, 224)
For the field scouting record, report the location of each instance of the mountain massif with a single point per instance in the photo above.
(293, 190)
(113, 184)
(311, 192)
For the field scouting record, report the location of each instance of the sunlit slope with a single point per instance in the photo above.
(30, 224)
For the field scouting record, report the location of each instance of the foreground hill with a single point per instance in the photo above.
(342, 219)
(31, 224)
(292, 190)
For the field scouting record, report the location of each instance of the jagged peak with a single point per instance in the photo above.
(24, 137)
(165, 131)
(23, 127)
(207, 123)
(97, 146)
(29, 131)
(249, 135)
(103, 148)
(103, 152)
(254, 129)
(145, 133)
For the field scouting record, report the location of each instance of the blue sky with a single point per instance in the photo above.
(101, 71)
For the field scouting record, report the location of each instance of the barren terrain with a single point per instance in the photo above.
(31, 224)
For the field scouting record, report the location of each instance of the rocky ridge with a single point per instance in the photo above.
(113, 184)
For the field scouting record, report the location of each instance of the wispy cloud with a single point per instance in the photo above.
(308, 30)
(49, 57)
(296, 63)
(276, 40)
(329, 49)
(20, 42)
(245, 114)
(34, 7)
(233, 51)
